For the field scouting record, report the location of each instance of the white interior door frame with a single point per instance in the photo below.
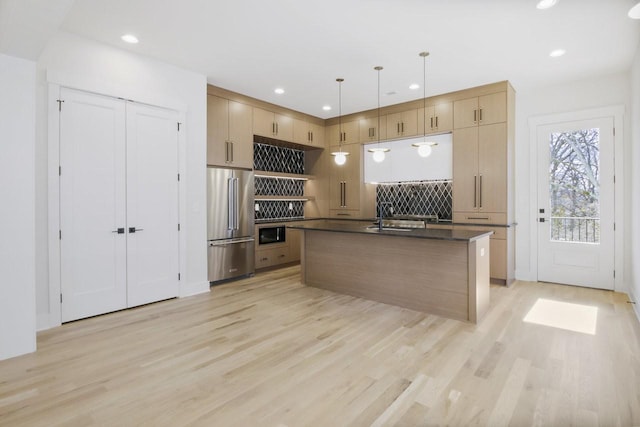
(53, 317)
(617, 113)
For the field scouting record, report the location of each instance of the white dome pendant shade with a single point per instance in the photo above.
(340, 157)
(424, 148)
(378, 153)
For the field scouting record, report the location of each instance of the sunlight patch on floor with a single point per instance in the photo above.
(564, 315)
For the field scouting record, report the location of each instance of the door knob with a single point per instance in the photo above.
(119, 230)
(133, 229)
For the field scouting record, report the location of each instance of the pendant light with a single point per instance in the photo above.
(424, 146)
(378, 152)
(340, 157)
(634, 12)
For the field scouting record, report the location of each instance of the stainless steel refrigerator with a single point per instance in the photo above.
(230, 223)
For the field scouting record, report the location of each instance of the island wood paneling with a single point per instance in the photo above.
(429, 275)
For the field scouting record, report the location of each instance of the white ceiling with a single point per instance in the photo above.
(253, 46)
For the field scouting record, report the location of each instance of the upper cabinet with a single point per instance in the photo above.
(349, 134)
(402, 124)
(229, 133)
(482, 110)
(307, 133)
(272, 125)
(436, 118)
(370, 131)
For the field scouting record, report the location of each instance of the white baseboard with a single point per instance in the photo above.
(191, 289)
(45, 321)
(524, 275)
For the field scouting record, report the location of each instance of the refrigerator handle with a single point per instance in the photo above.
(230, 205)
(236, 203)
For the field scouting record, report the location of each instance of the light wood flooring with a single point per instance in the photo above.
(267, 351)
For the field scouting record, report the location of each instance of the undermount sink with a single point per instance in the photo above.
(375, 227)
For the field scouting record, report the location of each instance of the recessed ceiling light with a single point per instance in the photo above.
(634, 12)
(546, 4)
(326, 107)
(557, 53)
(414, 86)
(130, 38)
(279, 90)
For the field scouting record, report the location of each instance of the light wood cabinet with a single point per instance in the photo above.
(272, 256)
(275, 254)
(482, 110)
(402, 124)
(272, 125)
(229, 133)
(345, 181)
(370, 131)
(480, 169)
(306, 133)
(437, 118)
(349, 135)
(501, 267)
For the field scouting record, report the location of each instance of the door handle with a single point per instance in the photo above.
(475, 116)
(226, 151)
(541, 220)
(480, 191)
(230, 204)
(231, 143)
(119, 230)
(133, 229)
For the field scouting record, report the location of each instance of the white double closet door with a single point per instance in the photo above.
(119, 237)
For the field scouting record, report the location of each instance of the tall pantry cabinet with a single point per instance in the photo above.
(483, 181)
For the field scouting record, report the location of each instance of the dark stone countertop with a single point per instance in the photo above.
(365, 227)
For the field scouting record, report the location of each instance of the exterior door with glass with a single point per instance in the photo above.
(576, 203)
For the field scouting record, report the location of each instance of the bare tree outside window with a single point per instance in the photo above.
(574, 186)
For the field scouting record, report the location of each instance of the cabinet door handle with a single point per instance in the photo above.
(431, 122)
(402, 126)
(398, 128)
(481, 190)
(343, 214)
(231, 159)
(277, 128)
(481, 114)
(344, 136)
(475, 191)
(479, 217)
(226, 152)
(345, 194)
(273, 128)
(436, 122)
(475, 116)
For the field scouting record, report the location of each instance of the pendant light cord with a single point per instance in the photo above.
(340, 113)
(424, 94)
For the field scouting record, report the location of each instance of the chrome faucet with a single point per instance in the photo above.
(381, 211)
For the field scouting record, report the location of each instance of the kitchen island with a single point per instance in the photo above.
(443, 272)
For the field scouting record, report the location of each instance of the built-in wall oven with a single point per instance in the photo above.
(271, 234)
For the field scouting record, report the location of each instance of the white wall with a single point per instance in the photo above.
(594, 92)
(633, 274)
(17, 245)
(72, 61)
